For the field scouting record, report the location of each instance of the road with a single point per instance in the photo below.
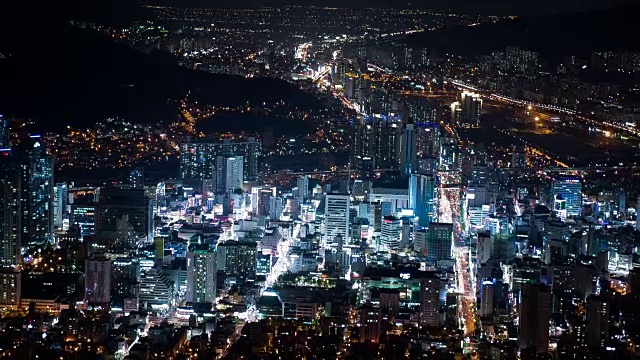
(279, 268)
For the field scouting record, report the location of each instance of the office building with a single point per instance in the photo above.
(408, 150)
(136, 178)
(422, 198)
(303, 188)
(370, 324)
(430, 301)
(60, 201)
(336, 216)
(390, 233)
(487, 290)
(534, 312)
(5, 135)
(97, 281)
(201, 275)
(84, 216)
(156, 289)
(598, 321)
(471, 108)
(439, 241)
(117, 203)
(198, 159)
(10, 288)
(36, 177)
(10, 215)
(237, 259)
(570, 189)
(229, 174)
(638, 214)
(386, 149)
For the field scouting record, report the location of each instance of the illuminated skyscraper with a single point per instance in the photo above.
(229, 174)
(471, 107)
(336, 215)
(303, 188)
(486, 298)
(5, 136)
(97, 281)
(430, 301)
(439, 241)
(136, 178)
(10, 204)
(390, 233)
(422, 197)
(36, 176)
(408, 153)
(237, 259)
(201, 275)
(60, 200)
(570, 189)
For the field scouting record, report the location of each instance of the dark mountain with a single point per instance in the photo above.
(60, 75)
(554, 36)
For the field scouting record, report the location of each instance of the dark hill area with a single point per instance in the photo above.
(59, 75)
(554, 36)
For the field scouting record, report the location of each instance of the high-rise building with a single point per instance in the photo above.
(408, 150)
(10, 214)
(422, 198)
(439, 241)
(471, 107)
(570, 189)
(198, 160)
(275, 207)
(303, 188)
(486, 298)
(116, 203)
(136, 178)
(597, 320)
(237, 259)
(201, 275)
(336, 215)
(638, 214)
(535, 313)
(370, 321)
(60, 200)
(430, 301)
(10, 288)
(85, 217)
(156, 289)
(5, 135)
(229, 174)
(390, 233)
(97, 281)
(386, 149)
(36, 177)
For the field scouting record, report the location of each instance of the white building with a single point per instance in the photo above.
(336, 216)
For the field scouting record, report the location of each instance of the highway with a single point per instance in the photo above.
(557, 109)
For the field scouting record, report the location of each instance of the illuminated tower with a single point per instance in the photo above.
(408, 160)
(36, 176)
(422, 197)
(201, 275)
(10, 214)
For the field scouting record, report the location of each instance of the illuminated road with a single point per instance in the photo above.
(553, 108)
(279, 268)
